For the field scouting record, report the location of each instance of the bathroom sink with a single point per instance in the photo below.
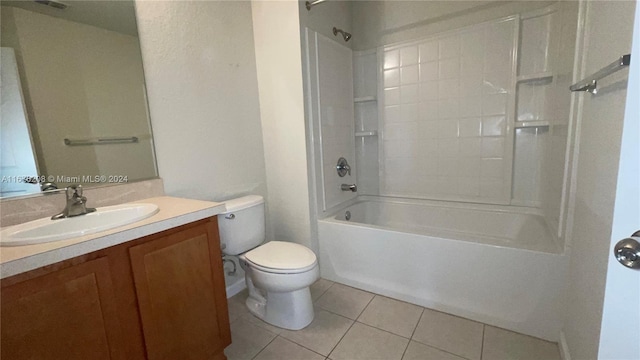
(47, 230)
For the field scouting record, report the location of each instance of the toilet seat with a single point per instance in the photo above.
(280, 257)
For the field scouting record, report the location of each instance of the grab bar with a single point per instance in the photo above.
(309, 5)
(590, 83)
(101, 141)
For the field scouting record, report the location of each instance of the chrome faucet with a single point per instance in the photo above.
(76, 204)
(349, 187)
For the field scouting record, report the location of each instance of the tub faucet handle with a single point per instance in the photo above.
(349, 187)
(343, 167)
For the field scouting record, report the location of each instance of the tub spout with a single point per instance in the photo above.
(349, 187)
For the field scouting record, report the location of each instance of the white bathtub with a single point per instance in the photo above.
(486, 263)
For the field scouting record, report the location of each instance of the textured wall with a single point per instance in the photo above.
(201, 82)
(279, 64)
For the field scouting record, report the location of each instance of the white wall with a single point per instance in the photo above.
(599, 127)
(201, 83)
(81, 81)
(377, 23)
(279, 68)
(324, 16)
(203, 99)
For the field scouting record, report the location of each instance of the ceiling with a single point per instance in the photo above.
(112, 15)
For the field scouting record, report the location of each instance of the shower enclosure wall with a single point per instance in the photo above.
(458, 141)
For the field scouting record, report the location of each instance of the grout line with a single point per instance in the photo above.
(405, 349)
(325, 291)
(482, 345)
(381, 329)
(412, 333)
(325, 356)
(302, 346)
(417, 323)
(443, 350)
(261, 350)
(366, 306)
(346, 317)
(342, 337)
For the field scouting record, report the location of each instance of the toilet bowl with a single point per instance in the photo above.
(280, 296)
(277, 274)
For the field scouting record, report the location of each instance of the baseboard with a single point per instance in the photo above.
(564, 348)
(236, 287)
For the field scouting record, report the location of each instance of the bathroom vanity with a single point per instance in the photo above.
(149, 290)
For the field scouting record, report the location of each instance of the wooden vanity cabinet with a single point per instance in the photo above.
(158, 297)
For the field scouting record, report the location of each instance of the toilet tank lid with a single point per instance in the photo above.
(242, 203)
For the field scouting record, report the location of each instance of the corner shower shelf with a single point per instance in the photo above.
(366, 133)
(364, 99)
(531, 124)
(538, 77)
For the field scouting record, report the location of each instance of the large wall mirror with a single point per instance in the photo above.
(74, 106)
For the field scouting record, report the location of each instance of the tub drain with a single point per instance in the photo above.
(347, 215)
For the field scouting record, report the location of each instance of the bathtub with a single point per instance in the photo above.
(494, 264)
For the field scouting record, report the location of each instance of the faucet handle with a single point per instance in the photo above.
(343, 167)
(74, 190)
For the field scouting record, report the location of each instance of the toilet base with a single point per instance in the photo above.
(289, 310)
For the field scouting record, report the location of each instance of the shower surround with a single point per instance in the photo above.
(460, 141)
(447, 105)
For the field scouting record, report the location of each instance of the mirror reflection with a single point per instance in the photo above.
(74, 106)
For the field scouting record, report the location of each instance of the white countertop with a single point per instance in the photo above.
(173, 212)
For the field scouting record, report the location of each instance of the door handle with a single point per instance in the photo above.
(627, 251)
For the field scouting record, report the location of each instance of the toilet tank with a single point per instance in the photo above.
(242, 225)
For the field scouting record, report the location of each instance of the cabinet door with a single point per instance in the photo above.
(67, 314)
(181, 295)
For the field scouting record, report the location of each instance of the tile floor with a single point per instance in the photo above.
(352, 324)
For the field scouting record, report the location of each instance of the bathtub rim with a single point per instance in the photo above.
(522, 210)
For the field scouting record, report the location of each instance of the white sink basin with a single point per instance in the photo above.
(47, 230)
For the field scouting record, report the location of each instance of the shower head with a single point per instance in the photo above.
(345, 35)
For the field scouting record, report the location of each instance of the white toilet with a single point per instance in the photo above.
(278, 274)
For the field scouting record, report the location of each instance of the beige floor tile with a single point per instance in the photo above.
(240, 296)
(418, 351)
(368, 343)
(502, 344)
(344, 300)
(450, 333)
(391, 315)
(256, 321)
(322, 335)
(238, 309)
(247, 340)
(281, 349)
(319, 287)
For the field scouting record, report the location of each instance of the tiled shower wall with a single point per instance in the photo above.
(446, 108)
(365, 70)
